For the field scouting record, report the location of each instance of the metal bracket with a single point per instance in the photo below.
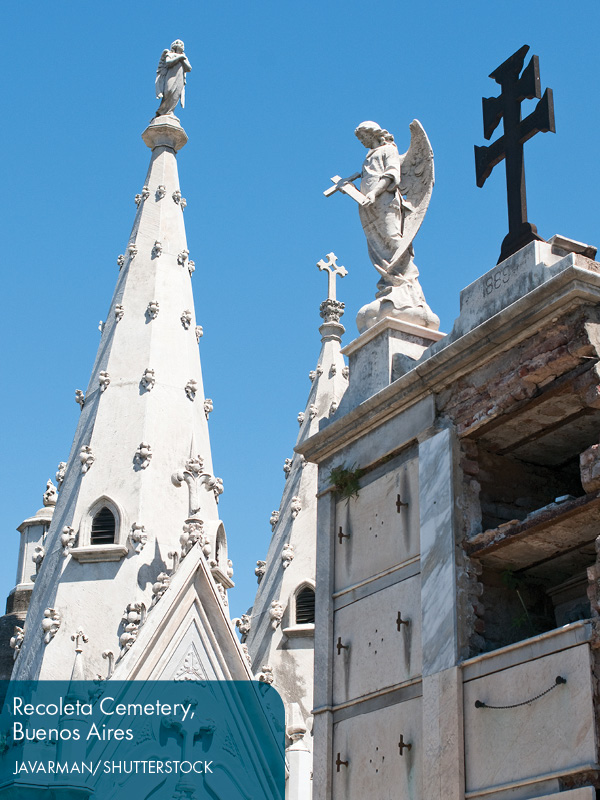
(399, 504)
(339, 763)
(341, 535)
(403, 746)
(341, 646)
(400, 621)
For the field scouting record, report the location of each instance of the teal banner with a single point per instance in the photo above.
(136, 740)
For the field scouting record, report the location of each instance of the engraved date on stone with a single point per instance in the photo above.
(497, 280)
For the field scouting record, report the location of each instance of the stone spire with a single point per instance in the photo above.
(279, 630)
(139, 476)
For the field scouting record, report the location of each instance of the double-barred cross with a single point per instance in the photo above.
(516, 87)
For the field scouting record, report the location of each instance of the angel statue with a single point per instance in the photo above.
(170, 78)
(394, 195)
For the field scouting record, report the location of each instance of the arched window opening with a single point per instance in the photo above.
(103, 527)
(305, 606)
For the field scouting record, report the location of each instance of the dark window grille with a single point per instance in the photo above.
(104, 527)
(305, 606)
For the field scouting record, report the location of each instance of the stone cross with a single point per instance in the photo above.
(79, 634)
(333, 269)
(346, 186)
(516, 87)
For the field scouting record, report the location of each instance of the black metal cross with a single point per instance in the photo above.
(517, 131)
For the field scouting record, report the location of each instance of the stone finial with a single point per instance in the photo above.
(182, 257)
(148, 379)
(186, 319)
(121, 261)
(261, 568)
(50, 624)
(139, 537)
(287, 555)
(119, 311)
(208, 406)
(79, 638)
(333, 270)
(67, 539)
(295, 506)
(160, 587)
(143, 456)
(79, 397)
(60, 473)
(199, 331)
(191, 388)
(16, 641)
(153, 309)
(103, 380)
(276, 610)
(287, 467)
(50, 495)
(86, 458)
(161, 191)
(274, 519)
(157, 249)
(191, 266)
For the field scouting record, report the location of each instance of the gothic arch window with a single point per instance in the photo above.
(305, 606)
(104, 527)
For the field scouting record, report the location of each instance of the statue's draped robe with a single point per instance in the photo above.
(172, 88)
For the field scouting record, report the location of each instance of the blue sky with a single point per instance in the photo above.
(276, 91)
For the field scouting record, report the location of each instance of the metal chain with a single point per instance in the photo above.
(559, 680)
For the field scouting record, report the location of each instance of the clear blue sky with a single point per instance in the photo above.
(276, 91)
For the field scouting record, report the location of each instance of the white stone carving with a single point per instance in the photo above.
(78, 637)
(261, 568)
(176, 196)
(191, 670)
(246, 652)
(331, 310)
(266, 676)
(157, 249)
(186, 319)
(229, 570)
(148, 379)
(313, 411)
(50, 624)
(346, 372)
(222, 593)
(295, 506)
(332, 370)
(244, 624)
(161, 191)
(60, 473)
(175, 556)
(119, 311)
(333, 269)
(145, 193)
(287, 467)
(312, 375)
(132, 250)
(132, 620)
(183, 203)
(17, 640)
(50, 495)
(103, 380)
(138, 199)
(79, 397)
(287, 555)
(67, 539)
(143, 455)
(193, 532)
(300, 418)
(101, 326)
(276, 610)
(160, 587)
(208, 406)
(191, 388)
(153, 309)
(216, 484)
(182, 257)
(333, 407)
(139, 537)
(170, 78)
(38, 556)
(121, 261)
(86, 458)
(199, 330)
(191, 266)
(274, 519)
(110, 656)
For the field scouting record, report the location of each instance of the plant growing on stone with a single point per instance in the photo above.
(346, 480)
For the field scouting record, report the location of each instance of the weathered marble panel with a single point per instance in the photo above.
(376, 769)
(379, 654)
(505, 747)
(383, 532)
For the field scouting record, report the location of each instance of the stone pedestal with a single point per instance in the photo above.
(379, 351)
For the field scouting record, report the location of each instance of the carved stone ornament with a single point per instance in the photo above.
(121, 261)
(86, 458)
(312, 375)
(153, 309)
(119, 311)
(300, 418)
(161, 192)
(191, 266)
(60, 473)
(132, 250)
(103, 381)
(216, 484)
(276, 610)
(38, 556)
(101, 326)
(50, 624)
(229, 570)
(108, 654)
(193, 532)
(191, 388)
(208, 406)
(182, 257)
(176, 196)
(332, 370)
(139, 537)
(331, 310)
(132, 620)
(157, 249)
(222, 593)
(266, 676)
(148, 379)
(145, 193)
(183, 203)
(160, 587)
(261, 568)
(138, 199)
(246, 652)
(143, 455)
(79, 397)
(50, 495)
(274, 519)
(333, 407)
(199, 330)
(313, 411)
(79, 637)
(16, 641)
(346, 372)
(244, 624)
(67, 539)
(287, 467)
(295, 506)
(287, 555)
(186, 319)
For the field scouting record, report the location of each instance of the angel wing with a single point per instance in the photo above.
(161, 74)
(417, 179)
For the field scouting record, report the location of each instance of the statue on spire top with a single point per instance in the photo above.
(170, 78)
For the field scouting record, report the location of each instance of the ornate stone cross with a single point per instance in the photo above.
(346, 186)
(334, 270)
(517, 131)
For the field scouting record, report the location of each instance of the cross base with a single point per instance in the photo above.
(515, 240)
